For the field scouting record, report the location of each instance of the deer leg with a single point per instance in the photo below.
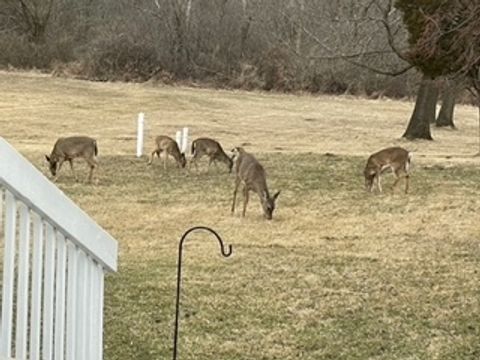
(374, 183)
(399, 175)
(237, 182)
(397, 179)
(395, 183)
(210, 161)
(60, 163)
(165, 156)
(73, 170)
(93, 164)
(156, 151)
(245, 200)
(379, 185)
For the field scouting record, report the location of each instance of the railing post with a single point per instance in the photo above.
(37, 276)
(22, 286)
(8, 276)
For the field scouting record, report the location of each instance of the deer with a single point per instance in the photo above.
(170, 147)
(252, 174)
(69, 148)
(211, 148)
(395, 158)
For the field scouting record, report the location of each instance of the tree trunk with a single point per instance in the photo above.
(445, 117)
(300, 16)
(424, 111)
(244, 29)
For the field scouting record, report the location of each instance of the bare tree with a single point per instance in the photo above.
(445, 40)
(31, 17)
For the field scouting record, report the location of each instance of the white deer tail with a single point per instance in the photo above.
(409, 160)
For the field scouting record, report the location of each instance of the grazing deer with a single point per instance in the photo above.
(251, 173)
(69, 148)
(395, 158)
(170, 147)
(211, 148)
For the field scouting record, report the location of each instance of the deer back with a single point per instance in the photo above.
(396, 158)
(211, 148)
(250, 172)
(166, 143)
(74, 146)
(205, 146)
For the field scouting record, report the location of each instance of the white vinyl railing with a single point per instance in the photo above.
(54, 261)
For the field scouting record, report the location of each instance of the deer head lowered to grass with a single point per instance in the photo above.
(169, 147)
(251, 173)
(69, 148)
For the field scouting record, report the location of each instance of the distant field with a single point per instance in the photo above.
(338, 273)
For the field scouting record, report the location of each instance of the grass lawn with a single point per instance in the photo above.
(337, 274)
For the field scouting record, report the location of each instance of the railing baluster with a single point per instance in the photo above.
(99, 316)
(60, 283)
(37, 264)
(93, 281)
(8, 276)
(21, 331)
(72, 296)
(81, 308)
(49, 291)
(96, 311)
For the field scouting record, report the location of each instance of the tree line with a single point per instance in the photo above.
(282, 45)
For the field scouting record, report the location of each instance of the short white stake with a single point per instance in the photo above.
(184, 139)
(178, 138)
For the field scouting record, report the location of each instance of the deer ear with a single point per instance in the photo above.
(276, 195)
(46, 157)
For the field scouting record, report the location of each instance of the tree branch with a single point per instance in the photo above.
(348, 58)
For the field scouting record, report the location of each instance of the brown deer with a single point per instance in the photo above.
(395, 158)
(169, 147)
(211, 148)
(251, 173)
(69, 148)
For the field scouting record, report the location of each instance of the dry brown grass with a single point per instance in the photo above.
(285, 123)
(338, 273)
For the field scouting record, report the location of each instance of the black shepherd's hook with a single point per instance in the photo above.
(179, 274)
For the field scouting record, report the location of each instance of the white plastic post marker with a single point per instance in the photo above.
(178, 138)
(184, 139)
(140, 127)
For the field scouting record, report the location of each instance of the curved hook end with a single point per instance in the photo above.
(228, 252)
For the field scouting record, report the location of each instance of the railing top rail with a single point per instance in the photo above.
(36, 191)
